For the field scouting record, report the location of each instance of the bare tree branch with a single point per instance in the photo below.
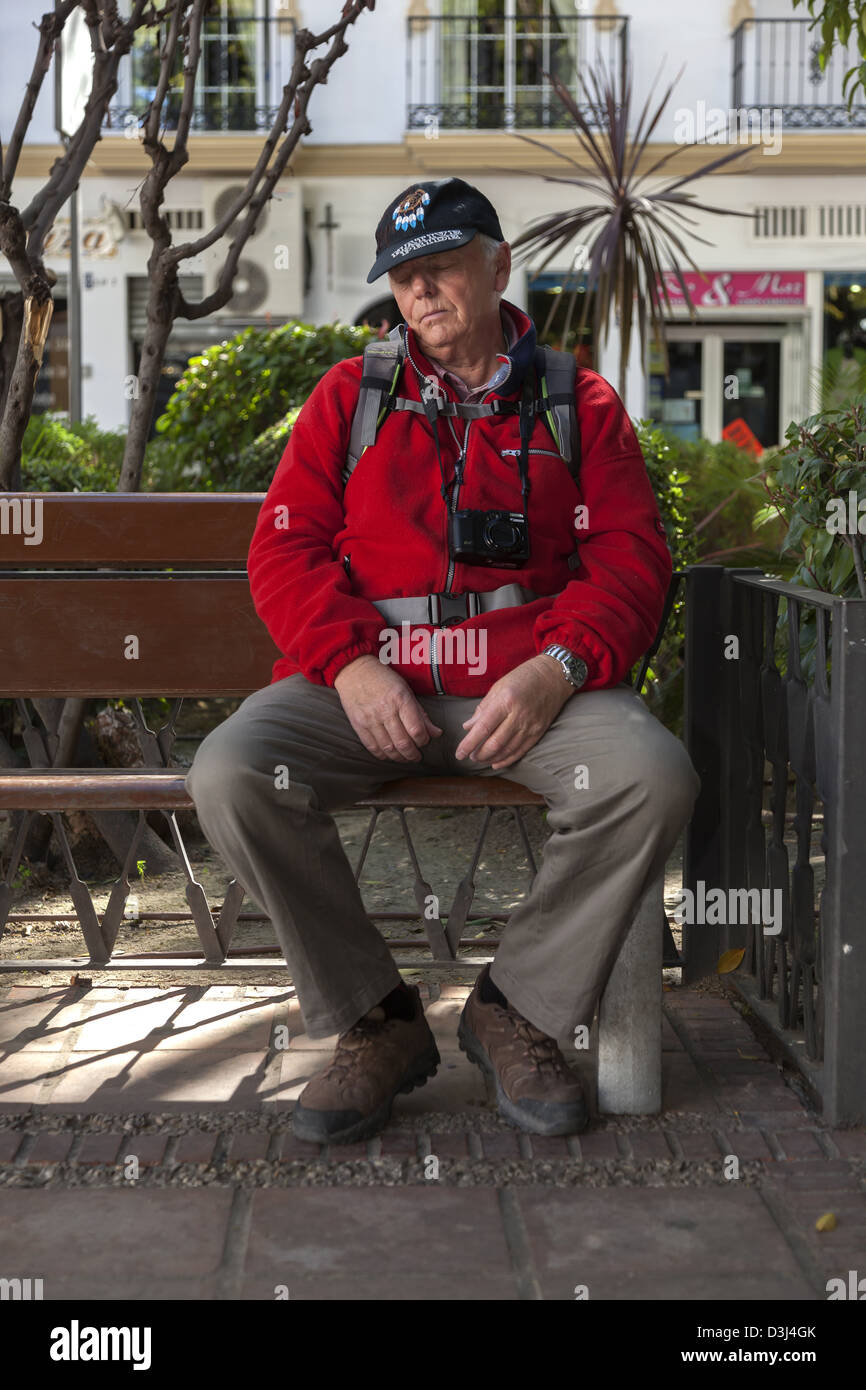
(166, 301)
(50, 29)
(22, 234)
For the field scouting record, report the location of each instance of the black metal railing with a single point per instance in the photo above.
(244, 65)
(786, 700)
(775, 65)
(473, 72)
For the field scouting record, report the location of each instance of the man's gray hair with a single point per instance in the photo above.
(489, 246)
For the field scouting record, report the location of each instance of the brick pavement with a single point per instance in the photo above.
(716, 1198)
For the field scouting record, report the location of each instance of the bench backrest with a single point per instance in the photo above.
(111, 594)
(128, 594)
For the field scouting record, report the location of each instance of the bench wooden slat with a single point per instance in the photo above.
(104, 529)
(197, 635)
(81, 789)
(452, 791)
(74, 789)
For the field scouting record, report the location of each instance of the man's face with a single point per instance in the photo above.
(443, 296)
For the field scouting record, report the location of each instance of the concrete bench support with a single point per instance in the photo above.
(630, 1016)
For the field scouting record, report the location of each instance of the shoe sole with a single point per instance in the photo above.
(509, 1109)
(304, 1124)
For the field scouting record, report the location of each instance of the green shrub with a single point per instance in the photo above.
(823, 459)
(663, 685)
(57, 456)
(725, 490)
(240, 389)
(708, 495)
(258, 461)
(165, 470)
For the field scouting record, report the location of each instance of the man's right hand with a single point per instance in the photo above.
(383, 710)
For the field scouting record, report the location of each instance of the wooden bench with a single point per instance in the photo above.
(135, 596)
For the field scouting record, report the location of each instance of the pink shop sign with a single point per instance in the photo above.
(741, 289)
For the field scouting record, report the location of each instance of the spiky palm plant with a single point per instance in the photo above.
(632, 235)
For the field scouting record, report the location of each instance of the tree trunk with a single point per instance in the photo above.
(63, 719)
(11, 324)
(9, 759)
(149, 371)
(19, 400)
(117, 827)
(76, 747)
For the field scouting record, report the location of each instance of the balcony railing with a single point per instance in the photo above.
(474, 72)
(776, 65)
(244, 65)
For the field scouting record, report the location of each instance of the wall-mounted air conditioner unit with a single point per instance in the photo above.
(270, 272)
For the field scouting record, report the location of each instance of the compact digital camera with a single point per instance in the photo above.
(489, 538)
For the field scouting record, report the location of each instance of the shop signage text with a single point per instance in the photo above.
(739, 288)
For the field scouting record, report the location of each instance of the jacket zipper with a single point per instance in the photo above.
(434, 652)
(449, 578)
(553, 453)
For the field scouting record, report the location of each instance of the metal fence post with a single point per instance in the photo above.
(741, 730)
(716, 609)
(843, 909)
(702, 713)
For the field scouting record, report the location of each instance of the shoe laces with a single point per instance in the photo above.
(541, 1049)
(352, 1045)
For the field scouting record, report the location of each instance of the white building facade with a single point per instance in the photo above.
(431, 88)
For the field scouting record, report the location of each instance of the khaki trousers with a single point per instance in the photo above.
(613, 827)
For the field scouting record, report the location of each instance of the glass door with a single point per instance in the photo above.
(677, 404)
(752, 389)
(742, 382)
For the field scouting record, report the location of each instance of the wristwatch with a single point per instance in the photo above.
(574, 668)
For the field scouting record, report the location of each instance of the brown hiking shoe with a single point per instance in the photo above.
(373, 1062)
(535, 1088)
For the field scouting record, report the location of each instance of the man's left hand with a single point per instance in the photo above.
(515, 712)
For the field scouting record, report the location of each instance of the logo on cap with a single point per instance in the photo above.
(410, 212)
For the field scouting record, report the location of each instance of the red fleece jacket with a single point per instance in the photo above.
(390, 525)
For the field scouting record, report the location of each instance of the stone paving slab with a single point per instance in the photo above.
(716, 1244)
(38, 1020)
(378, 1244)
(104, 1245)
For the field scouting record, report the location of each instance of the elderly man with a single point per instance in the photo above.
(459, 519)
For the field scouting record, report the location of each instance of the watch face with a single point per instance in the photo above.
(577, 669)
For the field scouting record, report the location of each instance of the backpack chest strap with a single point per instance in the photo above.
(460, 408)
(443, 610)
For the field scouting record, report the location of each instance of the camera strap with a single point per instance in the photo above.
(527, 424)
(430, 399)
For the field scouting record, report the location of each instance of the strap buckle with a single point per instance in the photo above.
(444, 610)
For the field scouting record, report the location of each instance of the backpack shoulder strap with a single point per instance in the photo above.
(383, 361)
(557, 373)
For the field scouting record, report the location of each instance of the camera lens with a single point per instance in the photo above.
(501, 533)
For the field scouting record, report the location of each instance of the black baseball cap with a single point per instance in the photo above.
(430, 217)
